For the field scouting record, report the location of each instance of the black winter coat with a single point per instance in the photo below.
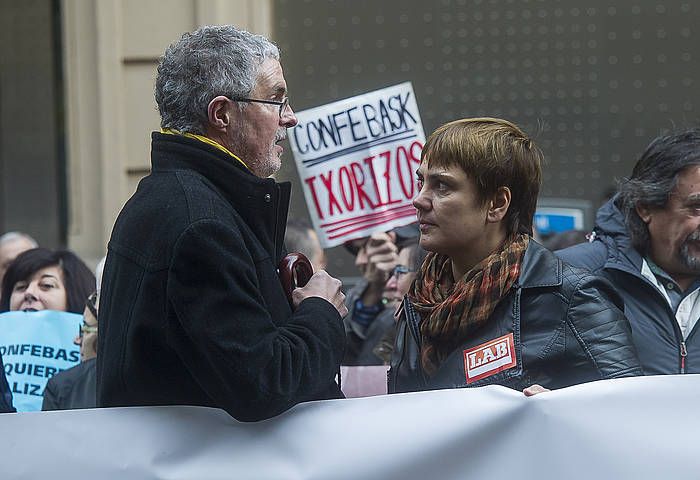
(655, 330)
(192, 311)
(558, 326)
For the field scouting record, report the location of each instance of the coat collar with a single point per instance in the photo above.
(172, 152)
(540, 268)
(611, 229)
(262, 202)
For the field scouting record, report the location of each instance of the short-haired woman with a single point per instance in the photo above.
(489, 304)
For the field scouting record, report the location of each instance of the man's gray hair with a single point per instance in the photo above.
(211, 61)
(12, 236)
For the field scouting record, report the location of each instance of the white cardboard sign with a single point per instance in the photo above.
(357, 159)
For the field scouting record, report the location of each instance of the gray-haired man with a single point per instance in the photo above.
(192, 311)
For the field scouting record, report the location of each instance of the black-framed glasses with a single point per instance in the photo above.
(282, 104)
(401, 270)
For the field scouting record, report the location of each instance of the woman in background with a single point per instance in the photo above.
(43, 279)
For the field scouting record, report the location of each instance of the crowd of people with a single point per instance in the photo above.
(191, 310)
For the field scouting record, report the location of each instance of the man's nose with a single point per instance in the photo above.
(288, 119)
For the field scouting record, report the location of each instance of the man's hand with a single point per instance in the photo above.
(381, 257)
(324, 286)
(535, 389)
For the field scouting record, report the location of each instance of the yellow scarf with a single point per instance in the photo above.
(208, 141)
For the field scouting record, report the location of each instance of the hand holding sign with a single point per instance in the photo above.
(377, 260)
(382, 255)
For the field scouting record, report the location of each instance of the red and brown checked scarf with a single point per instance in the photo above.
(451, 310)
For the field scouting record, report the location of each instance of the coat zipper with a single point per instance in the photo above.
(276, 251)
(684, 349)
(684, 353)
(676, 327)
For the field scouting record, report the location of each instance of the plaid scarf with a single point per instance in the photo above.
(451, 310)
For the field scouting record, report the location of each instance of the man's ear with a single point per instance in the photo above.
(219, 113)
(498, 205)
(643, 212)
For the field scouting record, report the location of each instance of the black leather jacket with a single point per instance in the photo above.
(565, 326)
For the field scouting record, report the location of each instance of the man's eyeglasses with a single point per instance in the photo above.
(283, 104)
(401, 270)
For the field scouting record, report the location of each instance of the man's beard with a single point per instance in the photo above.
(690, 261)
(261, 164)
(268, 163)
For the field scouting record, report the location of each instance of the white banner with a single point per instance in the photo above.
(357, 159)
(635, 428)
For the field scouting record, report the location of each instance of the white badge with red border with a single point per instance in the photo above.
(489, 358)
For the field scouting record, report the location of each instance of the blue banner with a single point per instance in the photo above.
(34, 347)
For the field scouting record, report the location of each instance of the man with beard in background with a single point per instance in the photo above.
(647, 243)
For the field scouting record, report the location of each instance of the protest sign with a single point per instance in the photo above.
(357, 159)
(34, 347)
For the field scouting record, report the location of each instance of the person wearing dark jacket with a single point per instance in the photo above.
(489, 304)
(71, 389)
(192, 311)
(369, 327)
(76, 387)
(5, 392)
(647, 243)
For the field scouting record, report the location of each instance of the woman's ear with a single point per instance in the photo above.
(219, 113)
(498, 205)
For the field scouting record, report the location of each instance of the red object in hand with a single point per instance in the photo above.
(295, 270)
